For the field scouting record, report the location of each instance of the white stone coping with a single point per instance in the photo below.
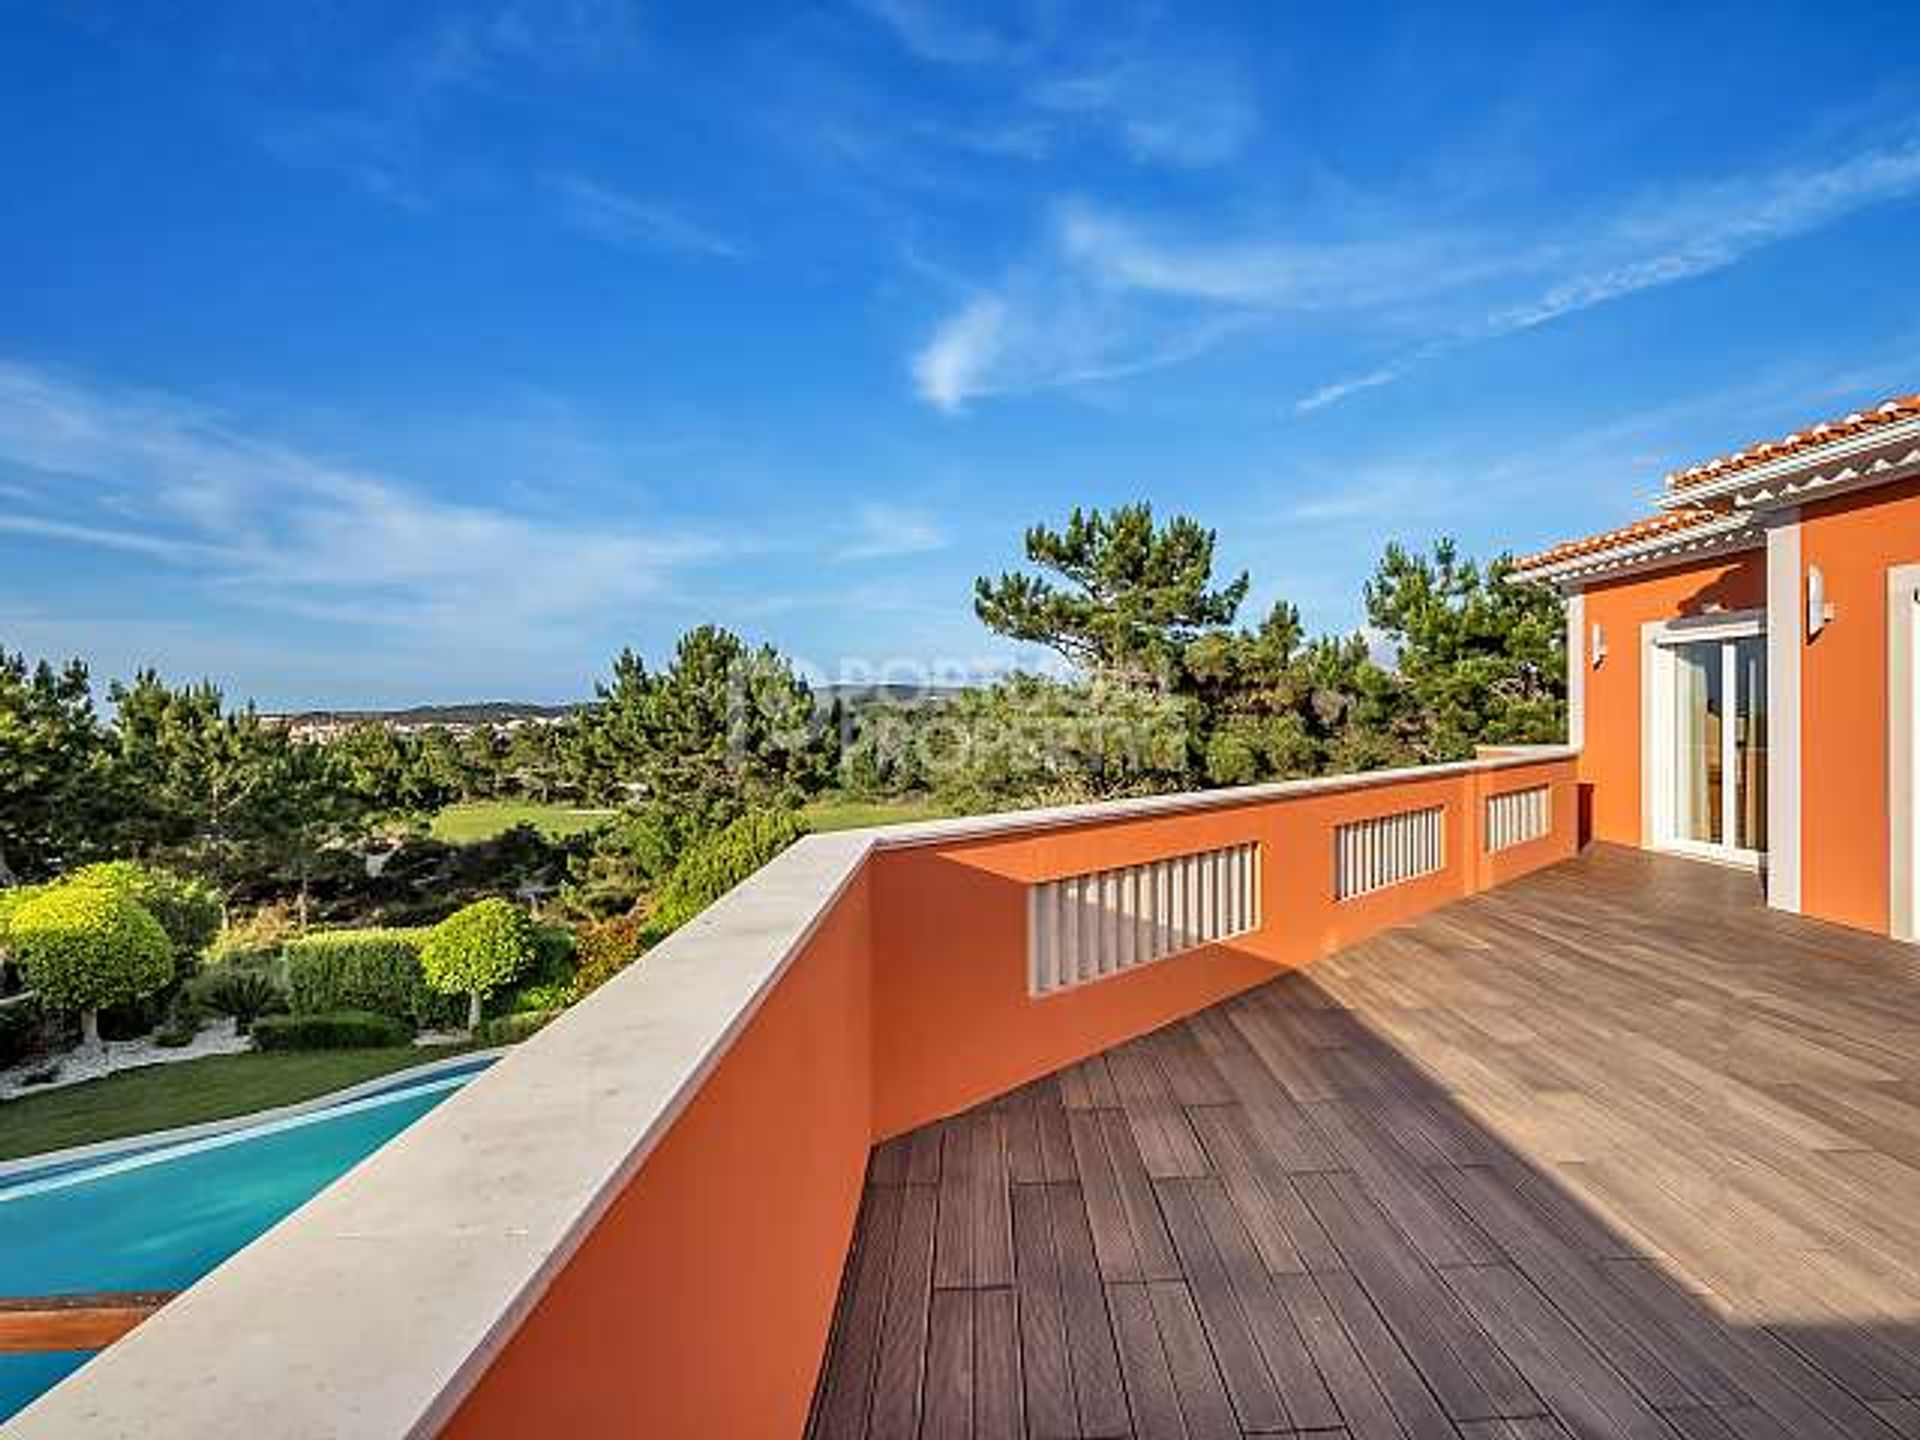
(373, 1310)
(1107, 812)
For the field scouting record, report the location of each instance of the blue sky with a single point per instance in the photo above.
(361, 354)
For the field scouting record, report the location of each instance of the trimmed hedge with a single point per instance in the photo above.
(718, 862)
(512, 1029)
(333, 1030)
(371, 970)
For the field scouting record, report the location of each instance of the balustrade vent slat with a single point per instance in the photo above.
(1517, 816)
(1385, 850)
(1081, 928)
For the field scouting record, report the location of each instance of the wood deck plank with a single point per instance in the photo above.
(1046, 1373)
(948, 1413)
(1204, 1403)
(1614, 1150)
(1250, 1386)
(902, 1363)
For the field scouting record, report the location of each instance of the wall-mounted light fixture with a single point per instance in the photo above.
(1819, 608)
(1599, 646)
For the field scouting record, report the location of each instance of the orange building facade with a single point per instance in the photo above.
(1742, 668)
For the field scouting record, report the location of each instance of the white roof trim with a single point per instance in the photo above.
(1736, 531)
(1902, 435)
(1880, 470)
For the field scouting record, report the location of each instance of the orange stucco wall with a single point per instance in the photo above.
(953, 1024)
(1844, 825)
(700, 1303)
(1610, 761)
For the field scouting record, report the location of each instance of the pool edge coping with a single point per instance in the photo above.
(97, 1150)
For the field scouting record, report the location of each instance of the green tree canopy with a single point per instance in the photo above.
(50, 750)
(1483, 661)
(1128, 595)
(722, 730)
(1033, 739)
(477, 950)
(218, 792)
(85, 947)
(401, 775)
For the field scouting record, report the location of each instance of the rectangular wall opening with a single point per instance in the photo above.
(1388, 850)
(1083, 928)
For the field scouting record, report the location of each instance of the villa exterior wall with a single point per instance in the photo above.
(1610, 759)
(1843, 792)
(1845, 826)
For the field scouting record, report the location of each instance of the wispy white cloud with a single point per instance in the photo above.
(886, 532)
(379, 120)
(953, 366)
(1108, 293)
(1359, 498)
(1034, 336)
(106, 537)
(1338, 390)
(628, 221)
(378, 153)
(266, 524)
(472, 43)
(1185, 112)
(1681, 236)
(1263, 272)
(1125, 78)
(949, 35)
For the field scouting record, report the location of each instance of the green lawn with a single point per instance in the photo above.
(836, 814)
(484, 819)
(159, 1097)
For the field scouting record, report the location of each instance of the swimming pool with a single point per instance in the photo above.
(158, 1218)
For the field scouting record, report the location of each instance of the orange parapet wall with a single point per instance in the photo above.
(698, 1304)
(953, 1021)
(1610, 759)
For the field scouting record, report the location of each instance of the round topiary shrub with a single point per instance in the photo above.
(188, 910)
(475, 951)
(82, 947)
(11, 900)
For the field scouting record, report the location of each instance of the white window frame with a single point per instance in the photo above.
(1657, 740)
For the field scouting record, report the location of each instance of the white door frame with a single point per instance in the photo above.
(1785, 641)
(1658, 767)
(1903, 751)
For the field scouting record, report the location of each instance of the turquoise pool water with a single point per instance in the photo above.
(159, 1219)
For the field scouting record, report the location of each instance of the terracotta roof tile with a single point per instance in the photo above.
(1666, 522)
(1904, 407)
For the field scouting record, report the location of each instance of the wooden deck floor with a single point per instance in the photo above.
(1610, 1151)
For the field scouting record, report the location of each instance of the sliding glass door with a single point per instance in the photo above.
(1717, 738)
